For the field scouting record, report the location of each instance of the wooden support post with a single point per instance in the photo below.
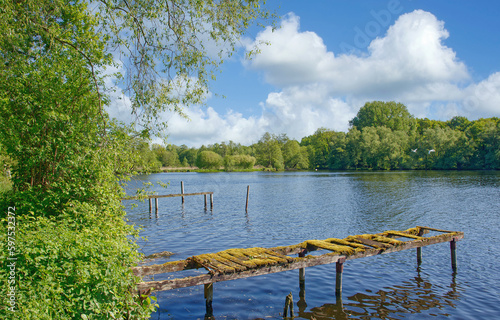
(339, 271)
(156, 204)
(182, 190)
(209, 297)
(419, 249)
(302, 271)
(302, 286)
(288, 306)
(453, 248)
(150, 205)
(248, 194)
(205, 201)
(211, 201)
(302, 276)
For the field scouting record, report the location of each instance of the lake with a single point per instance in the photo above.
(287, 208)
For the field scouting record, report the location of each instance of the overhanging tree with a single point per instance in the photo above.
(172, 49)
(54, 57)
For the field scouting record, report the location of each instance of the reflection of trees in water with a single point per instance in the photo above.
(413, 296)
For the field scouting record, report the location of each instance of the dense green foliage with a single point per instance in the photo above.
(239, 162)
(295, 156)
(208, 160)
(74, 266)
(5, 170)
(391, 115)
(65, 247)
(73, 254)
(268, 151)
(398, 142)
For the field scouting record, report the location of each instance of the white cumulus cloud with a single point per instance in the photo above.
(317, 88)
(410, 55)
(206, 126)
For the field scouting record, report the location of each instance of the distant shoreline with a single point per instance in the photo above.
(261, 168)
(196, 169)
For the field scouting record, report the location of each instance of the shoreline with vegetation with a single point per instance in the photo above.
(65, 243)
(221, 170)
(383, 136)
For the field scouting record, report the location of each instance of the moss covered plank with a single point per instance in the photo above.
(172, 266)
(401, 234)
(287, 250)
(373, 243)
(298, 263)
(210, 262)
(434, 229)
(295, 263)
(242, 263)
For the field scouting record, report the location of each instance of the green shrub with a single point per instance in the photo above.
(5, 184)
(243, 162)
(73, 266)
(208, 160)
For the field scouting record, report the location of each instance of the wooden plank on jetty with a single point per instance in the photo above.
(234, 264)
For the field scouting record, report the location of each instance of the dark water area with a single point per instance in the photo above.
(287, 208)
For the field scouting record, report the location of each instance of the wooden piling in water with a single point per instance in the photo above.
(419, 249)
(150, 205)
(302, 271)
(338, 281)
(453, 249)
(182, 190)
(302, 285)
(248, 194)
(419, 256)
(156, 205)
(211, 201)
(205, 202)
(302, 276)
(209, 297)
(288, 306)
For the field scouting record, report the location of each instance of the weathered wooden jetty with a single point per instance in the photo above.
(182, 194)
(234, 264)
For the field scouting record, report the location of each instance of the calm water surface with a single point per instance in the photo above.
(288, 208)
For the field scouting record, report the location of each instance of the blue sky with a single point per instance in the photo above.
(439, 58)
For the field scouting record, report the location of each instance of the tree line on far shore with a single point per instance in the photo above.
(382, 136)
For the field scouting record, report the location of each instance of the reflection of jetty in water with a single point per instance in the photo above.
(413, 296)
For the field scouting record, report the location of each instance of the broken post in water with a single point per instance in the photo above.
(288, 310)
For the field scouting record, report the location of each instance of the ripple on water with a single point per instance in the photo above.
(288, 208)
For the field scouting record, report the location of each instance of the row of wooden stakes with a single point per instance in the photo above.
(182, 195)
